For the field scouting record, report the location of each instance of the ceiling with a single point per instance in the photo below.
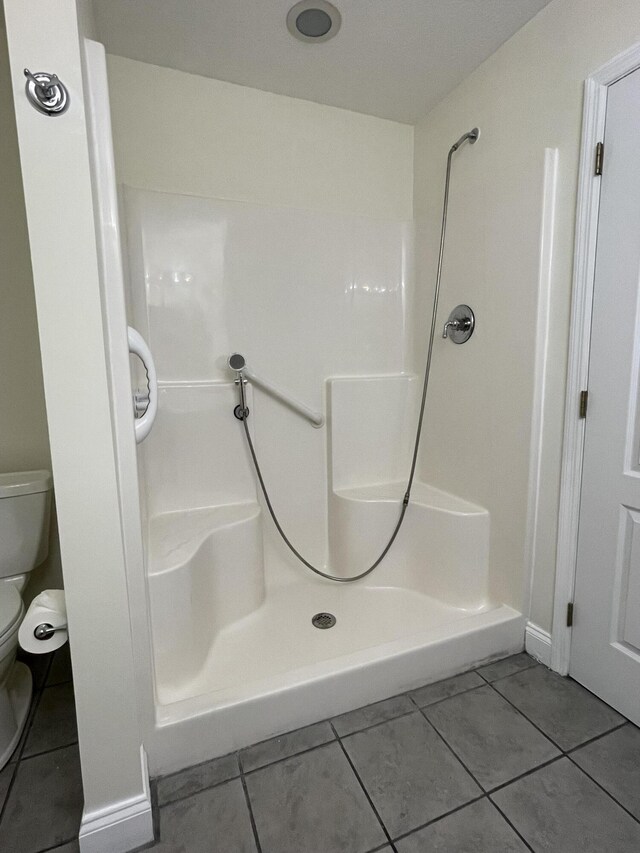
(392, 58)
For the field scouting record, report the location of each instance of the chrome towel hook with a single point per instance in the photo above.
(46, 93)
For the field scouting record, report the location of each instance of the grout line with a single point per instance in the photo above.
(548, 736)
(446, 698)
(366, 793)
(282, 734)
(510, 781)
(573, 749)
(286, 757)
(195, 766)
(451, 750)
(374, 725)
(60, 844)
(31, 715)
(195, 793)
(524, 775)
(603, 789)
(502, 785)
(533, 664)
(512, 825)
(9, 788)
(527, 718)
(47, 751)
(433, 820)
(250, 808)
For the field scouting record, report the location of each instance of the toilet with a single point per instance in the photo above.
(25, 501)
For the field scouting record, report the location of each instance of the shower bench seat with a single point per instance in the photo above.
(442, 549)
(176, 537)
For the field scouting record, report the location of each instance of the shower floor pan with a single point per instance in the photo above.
(272, 671)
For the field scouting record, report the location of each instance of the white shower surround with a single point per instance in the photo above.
(319, 304)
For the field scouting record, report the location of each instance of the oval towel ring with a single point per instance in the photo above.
(138, 346)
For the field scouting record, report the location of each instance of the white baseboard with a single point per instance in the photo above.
(121, 826)
(538, 643)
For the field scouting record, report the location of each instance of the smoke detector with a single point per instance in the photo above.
(313, 20)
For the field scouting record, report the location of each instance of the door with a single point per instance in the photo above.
(605, 646)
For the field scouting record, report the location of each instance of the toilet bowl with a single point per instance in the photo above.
(15, 677)
(24, 532)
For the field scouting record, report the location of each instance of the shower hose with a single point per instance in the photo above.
(471, 136)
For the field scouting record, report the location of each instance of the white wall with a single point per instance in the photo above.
(527, 96)
(219, 140)
(24, 441)
(209, 138)
(325, 292)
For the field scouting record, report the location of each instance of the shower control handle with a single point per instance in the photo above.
(460, 325)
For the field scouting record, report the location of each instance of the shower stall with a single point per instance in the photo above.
(244, 642)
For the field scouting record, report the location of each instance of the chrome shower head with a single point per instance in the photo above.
(236, 361)
(471, 136)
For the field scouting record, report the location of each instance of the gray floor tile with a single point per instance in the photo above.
(285, 745)
(312, 802)
(506, 666)
(477, 828)
(409, 773)
(195, 779)
(566, 712)
(379, 712)
(60, 671)
(444, 689)
(54, 723)
(614, 762)
(558, 808)
(45, 803)
(492, 739)
(213, 821)
(6, 775)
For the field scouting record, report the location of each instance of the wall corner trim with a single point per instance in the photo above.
(537, 643)
(121, 826)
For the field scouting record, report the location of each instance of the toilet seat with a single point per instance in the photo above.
(10, 609)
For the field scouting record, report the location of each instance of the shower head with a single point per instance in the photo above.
(236, 361)
(471, 136)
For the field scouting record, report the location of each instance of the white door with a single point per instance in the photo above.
(605, 646)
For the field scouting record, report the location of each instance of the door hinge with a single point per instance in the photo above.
(570, 614)
(599, 158)
(584, 402)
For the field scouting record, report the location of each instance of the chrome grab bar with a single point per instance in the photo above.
(237, 362)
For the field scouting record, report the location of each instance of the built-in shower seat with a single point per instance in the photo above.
(442, 549)
(205, 571)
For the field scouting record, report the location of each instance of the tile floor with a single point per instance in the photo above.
(503, 759)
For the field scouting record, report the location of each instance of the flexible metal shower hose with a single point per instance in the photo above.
(414, 460)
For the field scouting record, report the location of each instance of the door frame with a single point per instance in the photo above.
(586, 233)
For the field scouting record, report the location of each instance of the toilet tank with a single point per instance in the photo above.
(25, 503)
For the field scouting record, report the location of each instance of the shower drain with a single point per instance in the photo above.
(323, 620)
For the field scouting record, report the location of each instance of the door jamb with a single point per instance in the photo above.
(587, 211)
